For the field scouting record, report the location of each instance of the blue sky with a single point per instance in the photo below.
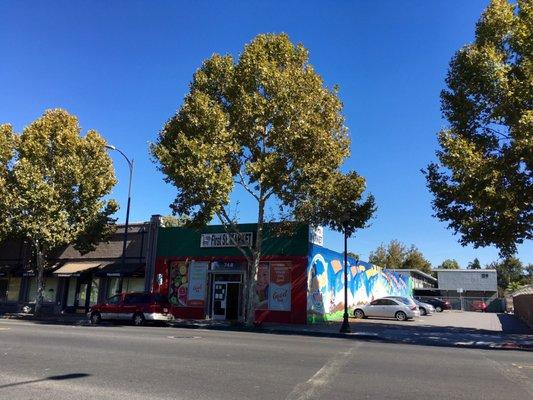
(123, 68)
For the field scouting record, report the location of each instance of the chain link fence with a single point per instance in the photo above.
(472, 303)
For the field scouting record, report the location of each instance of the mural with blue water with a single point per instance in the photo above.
(366, 282)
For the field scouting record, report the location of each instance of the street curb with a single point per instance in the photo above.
(371, 337)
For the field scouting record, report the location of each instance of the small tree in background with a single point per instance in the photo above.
(414, 259)
(390, 256)
(508, 270)
(483, 184)
(450, 263)
(474, 264)
(52, 187)
(266, 123)
(397, 255)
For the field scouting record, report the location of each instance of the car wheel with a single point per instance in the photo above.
(138, 319)
(423, 311)
(358, 314)
(96, 318)
(438, 309)
(400, 316)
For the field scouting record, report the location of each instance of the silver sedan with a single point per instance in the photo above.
(425, 308)
(387, 308)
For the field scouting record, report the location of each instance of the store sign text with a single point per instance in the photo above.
(226, 239)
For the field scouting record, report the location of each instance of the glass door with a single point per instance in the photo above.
(219, 300)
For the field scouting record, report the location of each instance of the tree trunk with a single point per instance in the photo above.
(39, 266)
(251, 278)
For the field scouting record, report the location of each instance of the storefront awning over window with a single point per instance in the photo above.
(75, 268)
(116, 269)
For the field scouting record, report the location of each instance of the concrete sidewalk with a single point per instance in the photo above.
(427, 335)
(386, 331)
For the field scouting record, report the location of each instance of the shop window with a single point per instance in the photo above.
(50, 289)
(32, 289)
(132, 285)
(95, 286)
(274, 286)
(71, 298)
(112, 286)
(49, 292)
(3, 289)
(13, 289)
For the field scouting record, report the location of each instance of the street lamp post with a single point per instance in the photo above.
(345, 327)
(130, 165)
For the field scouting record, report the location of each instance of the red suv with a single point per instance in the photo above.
(136, 307)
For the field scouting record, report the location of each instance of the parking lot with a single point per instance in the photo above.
(457, 319)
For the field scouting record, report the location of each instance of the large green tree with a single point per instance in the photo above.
(53, 184)
(483, 182)
(267, 123)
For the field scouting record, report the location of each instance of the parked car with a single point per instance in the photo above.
(387, 308)
(479, 305)
(410, 302)
(406, 300)
(440, 305)
(135, 307)
(425, 308)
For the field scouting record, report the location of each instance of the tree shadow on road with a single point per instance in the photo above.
(48, 378)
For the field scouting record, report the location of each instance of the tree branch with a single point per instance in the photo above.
(228, 225)
(503, 135)
(246, 186)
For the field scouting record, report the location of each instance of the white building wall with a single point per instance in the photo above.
(481, 280)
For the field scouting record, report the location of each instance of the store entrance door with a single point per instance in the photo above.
(226, 301)
(219, 300)
(232, 303)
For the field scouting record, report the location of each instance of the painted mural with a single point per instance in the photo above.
(366, 282)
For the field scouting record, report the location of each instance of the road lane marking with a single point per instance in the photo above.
(310, 388)
(4, 329)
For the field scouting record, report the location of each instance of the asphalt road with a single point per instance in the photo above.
(125, 362)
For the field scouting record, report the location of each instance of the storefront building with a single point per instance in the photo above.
(299, 281)
(73, 281)
(13, 256)
(203, 274)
